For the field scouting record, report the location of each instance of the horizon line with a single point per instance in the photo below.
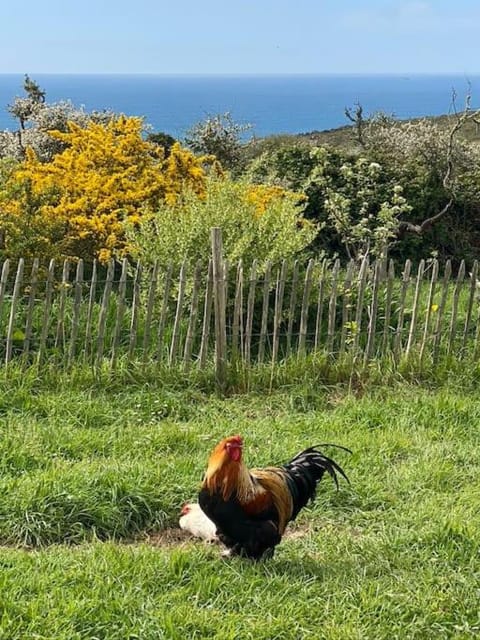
(403, 74)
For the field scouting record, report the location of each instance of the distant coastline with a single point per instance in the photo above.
(274, 104)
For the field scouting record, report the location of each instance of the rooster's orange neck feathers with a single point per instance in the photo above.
(227, 476)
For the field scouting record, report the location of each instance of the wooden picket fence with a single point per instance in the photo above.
(220, 313)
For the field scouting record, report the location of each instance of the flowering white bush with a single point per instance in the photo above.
(418, 144)
(218, 135)
(353, 209)
(36, 120)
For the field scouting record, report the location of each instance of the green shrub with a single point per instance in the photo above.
(257, 222)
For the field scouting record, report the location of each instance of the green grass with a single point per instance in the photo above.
(99, 464)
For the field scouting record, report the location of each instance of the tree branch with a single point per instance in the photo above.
(404, 226)
(358, 121)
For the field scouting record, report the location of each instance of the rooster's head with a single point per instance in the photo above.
(224, 459)
(227, 450)
(233, 447)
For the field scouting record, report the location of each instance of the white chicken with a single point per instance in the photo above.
(193, 520)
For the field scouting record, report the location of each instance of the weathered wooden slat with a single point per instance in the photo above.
(207, 315)
(147, 328)
(361, 285)
(372, 322)
(121, 306)
(456, 294)
(388, 307)
(264, 321)
(30, 307)
(437, 334)
(250, 310)
(164, 312)
(46, 311)
(178, 314)
(13, 309)
(237, 323)
(384, 264)
(332, 308)
(220, 277)
(88, 347)
(135, 319)
(102, 318)
(60, 338)
(226, 273)
(291, 308)
(471, 300)
(320, 299)
(280, 289)
(192, 321)
(77, 302)
(3, 284)
(415, 308)
(476, 344)
(307, 287)
(346, 304)
(428, 315)
(401, 309)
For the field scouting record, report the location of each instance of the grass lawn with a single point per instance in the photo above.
(90, 473)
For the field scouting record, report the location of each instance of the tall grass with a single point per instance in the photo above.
(85, 459)
(89, 459)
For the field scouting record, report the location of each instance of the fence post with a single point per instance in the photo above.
(219, 309)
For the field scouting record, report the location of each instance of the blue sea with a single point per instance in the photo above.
(273, 104)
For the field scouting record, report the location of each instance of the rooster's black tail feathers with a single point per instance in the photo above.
(304, 472)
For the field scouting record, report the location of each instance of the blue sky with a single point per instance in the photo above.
(234, 36)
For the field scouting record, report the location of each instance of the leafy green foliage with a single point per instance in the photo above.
(257, 222)
(364, 224)
(357, 200)
(411, 161)
(288, 166)
(164, 140)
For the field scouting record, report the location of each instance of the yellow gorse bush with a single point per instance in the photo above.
(78, 204)
(261, 196)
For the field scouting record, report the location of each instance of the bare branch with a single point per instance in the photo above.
(405, 227)
(358, 121)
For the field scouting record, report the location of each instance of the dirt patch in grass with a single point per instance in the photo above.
(170, 537)
(298, 531)
(176, 537)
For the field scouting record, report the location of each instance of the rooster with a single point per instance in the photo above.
(251, 508)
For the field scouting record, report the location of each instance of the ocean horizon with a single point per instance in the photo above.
(273, 104)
